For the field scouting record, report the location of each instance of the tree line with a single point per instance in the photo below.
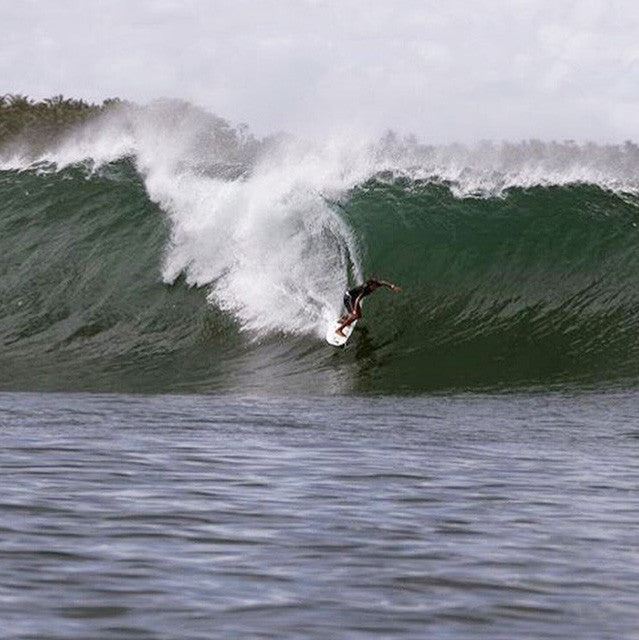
(44, 119)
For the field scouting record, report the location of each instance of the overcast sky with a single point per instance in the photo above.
(447, 70)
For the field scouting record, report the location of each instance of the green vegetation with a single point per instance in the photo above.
(40, 123)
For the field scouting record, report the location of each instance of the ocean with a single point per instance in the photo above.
(183, 456)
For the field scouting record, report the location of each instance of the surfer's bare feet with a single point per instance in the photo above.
(339, 332)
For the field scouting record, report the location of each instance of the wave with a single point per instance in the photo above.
(158, 248)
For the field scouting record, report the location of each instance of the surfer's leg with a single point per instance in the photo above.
(345, 322)
(355, 314)
(348, 305)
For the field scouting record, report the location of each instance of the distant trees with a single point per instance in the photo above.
(44, 119)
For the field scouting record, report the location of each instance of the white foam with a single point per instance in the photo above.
(274, 253)
(488, 170)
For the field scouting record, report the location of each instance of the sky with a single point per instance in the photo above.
(445, 70)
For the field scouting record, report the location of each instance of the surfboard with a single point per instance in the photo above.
(333, 338)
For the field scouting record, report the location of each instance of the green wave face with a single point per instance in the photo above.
(537, 287)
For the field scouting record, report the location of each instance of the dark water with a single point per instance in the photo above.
(448, 517)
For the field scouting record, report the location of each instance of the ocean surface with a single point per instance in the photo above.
(182, 456)
(199, 517)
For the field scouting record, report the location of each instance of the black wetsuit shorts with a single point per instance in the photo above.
(352, 294)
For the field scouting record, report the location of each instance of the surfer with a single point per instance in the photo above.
(353, 299)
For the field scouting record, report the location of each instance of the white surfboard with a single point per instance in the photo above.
(333, 338)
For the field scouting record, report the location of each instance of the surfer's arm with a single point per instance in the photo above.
(389, 285)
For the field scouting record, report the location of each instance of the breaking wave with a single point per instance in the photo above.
(158, 248)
